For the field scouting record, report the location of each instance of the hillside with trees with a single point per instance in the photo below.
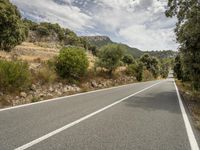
(39, 61)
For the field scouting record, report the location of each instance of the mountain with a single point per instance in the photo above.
(100, 41)
(163, 54)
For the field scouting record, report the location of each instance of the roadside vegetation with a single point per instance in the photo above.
(187, 62)
(70, 70)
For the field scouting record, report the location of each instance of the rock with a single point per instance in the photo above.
(66, 89)
(94, 84)
(1, 93)
(23, 94)
(33, 87)
(51, 89)
(49, 95)
(41, 95)
(17, 97)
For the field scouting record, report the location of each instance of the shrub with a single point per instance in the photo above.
(110, 57)
(136, 70)
(46, 75)
(14, 75)
(12, 29)
(128, 59)
(147, 75)
(72, 63)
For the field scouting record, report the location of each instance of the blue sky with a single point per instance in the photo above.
(138, 23)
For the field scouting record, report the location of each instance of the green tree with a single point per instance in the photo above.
(128, 59)
(12, 29)
(188, 35)
(151, 64)
(110, 57)
(72, 63)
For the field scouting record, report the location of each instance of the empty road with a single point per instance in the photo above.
(140, 116)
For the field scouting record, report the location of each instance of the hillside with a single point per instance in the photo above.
(100, 41)
(163, 54)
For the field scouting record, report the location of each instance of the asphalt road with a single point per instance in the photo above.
(140, 116)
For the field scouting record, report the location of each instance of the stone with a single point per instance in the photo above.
(51, 89)
(33, 87)
(23, 94)
(1, 93)
(94, 84)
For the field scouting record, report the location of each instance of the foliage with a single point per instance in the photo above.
(188, 35)
(14, 75)
(151, 64)
(164, 68)
(147, 75)
(136, 70)
(45, 74)
(101, 41)
(128, 59)
(72, 63)
(12, 29)
(109, 57)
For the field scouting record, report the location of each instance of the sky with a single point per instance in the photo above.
(138, 23)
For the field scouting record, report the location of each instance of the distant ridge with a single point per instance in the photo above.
(100, 41)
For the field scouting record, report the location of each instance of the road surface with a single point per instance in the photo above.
(140, 116)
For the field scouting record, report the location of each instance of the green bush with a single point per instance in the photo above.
(110, 57)
(72, 63)
(12, 29)
(128, 59)
(14, 75)
(136, 70)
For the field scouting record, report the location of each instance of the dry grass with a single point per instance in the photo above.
(192, 99)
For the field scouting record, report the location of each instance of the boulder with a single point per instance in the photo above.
(23, 94)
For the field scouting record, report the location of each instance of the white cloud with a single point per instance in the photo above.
(140, 23)
(48, 10)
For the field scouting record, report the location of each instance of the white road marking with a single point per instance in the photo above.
(191, 137)
(42, 138)
(62, 98)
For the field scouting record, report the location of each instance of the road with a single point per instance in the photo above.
(140, 116)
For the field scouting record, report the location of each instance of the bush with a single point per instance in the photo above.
(136, 70)
(147, 75)
(12, 29)
(14, 75)
(110, 57)
(46, 75)
(128, 59)
(72, 63)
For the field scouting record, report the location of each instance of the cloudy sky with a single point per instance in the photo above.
(138, 23)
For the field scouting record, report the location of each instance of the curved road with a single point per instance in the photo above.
(139, 116)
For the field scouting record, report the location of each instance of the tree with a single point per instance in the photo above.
(128, 59)
(72, 63)
(188, 35)
(12, 29)
(110, 57)
(151, 64)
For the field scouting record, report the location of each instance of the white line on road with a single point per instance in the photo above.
(64, 97)
(42, 138)
(191, 137)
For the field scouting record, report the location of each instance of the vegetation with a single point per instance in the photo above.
(109, 57)
(12, 29)
(72, 63)
(151, 64)
(14, 75)
(188, 35)
(136, 70)
(100, 41)
(128, 59)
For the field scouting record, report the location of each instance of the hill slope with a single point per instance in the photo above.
(100, 41)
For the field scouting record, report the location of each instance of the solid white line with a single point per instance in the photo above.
(62, 98)
(30, 144)
(191, 137)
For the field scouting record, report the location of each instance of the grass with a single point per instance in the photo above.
(192, 99)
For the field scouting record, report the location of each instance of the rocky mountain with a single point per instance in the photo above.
(100, 41)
